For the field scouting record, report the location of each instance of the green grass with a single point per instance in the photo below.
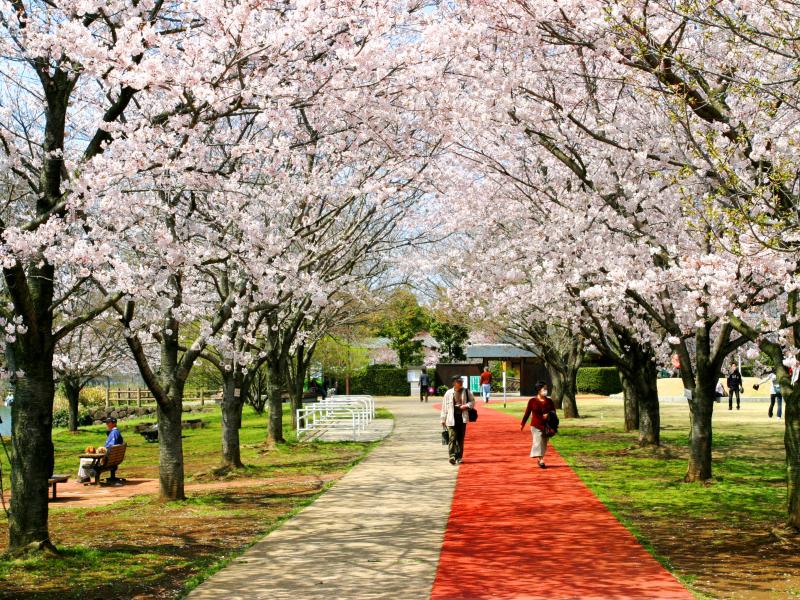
(644, 488)
(142, 546)
(201, 449)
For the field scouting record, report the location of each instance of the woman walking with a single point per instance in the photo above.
(537, 409)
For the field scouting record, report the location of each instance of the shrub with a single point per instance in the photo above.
(599, 380)
(93, 396)
(61, 418)
(441, 390)
(380, 380)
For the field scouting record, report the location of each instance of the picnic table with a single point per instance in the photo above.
(106, 461)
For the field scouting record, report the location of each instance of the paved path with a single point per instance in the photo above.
(376, 533)
(518, 532)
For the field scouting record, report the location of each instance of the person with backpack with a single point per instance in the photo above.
(544, 422)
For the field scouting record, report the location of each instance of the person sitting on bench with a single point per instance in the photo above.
(114, 438)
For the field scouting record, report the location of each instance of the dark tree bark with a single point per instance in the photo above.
(170, 449)
(72, 390)
(558, 387)
(275, 424)
(562, 353)
(296, 376)
(637, 369)
(791, 440)
(630, 402)
(232, 405)
(31, 453)
(701, 407)
(31, 292)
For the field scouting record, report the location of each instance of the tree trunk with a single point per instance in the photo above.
(31, 452)
(649, 409)
(72, 392)
(701, 410)
(630, 402)
(275, 425)
(301, 361)
(791, 440)
(570, 388)
(170, 448)
(557, 393)
(642, 410)
(232, 405)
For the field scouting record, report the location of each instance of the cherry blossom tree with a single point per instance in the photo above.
(88, 352)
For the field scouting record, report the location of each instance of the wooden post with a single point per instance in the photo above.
(108, 391)
(139, 398)
(202, 401)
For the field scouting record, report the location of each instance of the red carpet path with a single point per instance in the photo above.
(516, 531)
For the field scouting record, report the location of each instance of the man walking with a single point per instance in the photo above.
(486, 384)
(734, 381)
(454, 417)
(424, 382)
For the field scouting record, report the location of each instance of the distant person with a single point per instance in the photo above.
(676, 365)
(538, 408)
(9, 399)
(775, 393)
(454, 417)
(719, 391)
(114, 438)
(424, 383)
(486, 384)
(734, 382)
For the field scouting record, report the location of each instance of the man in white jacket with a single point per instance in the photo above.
(454, 417)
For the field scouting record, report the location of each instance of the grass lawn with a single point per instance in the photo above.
(142, 548)
(717, 538)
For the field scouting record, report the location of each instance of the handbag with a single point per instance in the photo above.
(445, 437)
(472, 415)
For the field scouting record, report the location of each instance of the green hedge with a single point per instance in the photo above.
(61, 418)
(380, 380)
(599, 380)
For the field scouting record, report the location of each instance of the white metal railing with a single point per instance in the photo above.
(337, 412)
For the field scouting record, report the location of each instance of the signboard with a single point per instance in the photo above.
(413, 375)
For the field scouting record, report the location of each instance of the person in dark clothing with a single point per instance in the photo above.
(424, 382)
(734, 382)
(538, 408)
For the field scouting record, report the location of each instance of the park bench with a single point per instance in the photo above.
(54, 480)
(149, 431)
(109, 461)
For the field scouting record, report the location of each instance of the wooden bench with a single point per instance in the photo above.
(109, 461)
(54, 480)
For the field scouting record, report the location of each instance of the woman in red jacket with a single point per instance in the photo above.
(537, 409)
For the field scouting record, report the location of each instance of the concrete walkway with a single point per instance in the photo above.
(377, 533)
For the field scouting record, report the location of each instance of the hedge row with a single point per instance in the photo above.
(599, 380)
(380, 380)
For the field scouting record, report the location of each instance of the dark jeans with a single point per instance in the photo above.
(772, 399)
(731, 392)
(423, 393)
(456, 436)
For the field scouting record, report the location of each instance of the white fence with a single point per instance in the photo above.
(352, 413)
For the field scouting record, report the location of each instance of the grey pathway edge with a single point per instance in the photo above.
(376, 533)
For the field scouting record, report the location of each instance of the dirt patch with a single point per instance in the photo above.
(154, 548)
(78, 495)
(737, 561)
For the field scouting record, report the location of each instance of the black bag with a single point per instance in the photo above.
(445, 437)
(550, 424)
(472, 414)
